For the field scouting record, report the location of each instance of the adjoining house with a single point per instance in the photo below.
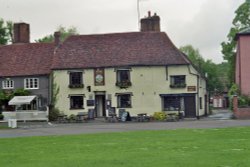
(242, 76)
(140, 72)
(26, 65)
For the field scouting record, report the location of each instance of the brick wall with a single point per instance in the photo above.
(240, 113)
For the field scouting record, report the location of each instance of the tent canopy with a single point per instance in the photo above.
(19, 100)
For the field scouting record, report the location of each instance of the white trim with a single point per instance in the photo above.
(8, 84)
(31, 83)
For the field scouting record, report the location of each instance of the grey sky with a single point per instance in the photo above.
(201, 23)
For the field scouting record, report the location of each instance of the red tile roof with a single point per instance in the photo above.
(119, 49)
(26, 59)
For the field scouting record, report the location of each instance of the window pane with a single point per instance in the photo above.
(172, 103)
(124, 101)
(76, 78)
(76, 102)
(123, 75)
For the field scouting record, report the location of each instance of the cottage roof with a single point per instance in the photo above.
(24, 59)
(117, 49)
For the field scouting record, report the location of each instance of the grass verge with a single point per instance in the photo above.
(229, 147)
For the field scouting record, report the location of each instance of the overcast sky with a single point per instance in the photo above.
(201, 23)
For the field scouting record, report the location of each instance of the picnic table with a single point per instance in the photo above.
(142, 117)
(81, 116)
(112, 117)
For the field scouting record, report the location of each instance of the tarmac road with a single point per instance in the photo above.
(44, 129)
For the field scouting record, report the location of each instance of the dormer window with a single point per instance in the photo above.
(123, 78)
(75, 80)
(178, 81)
(8, 84)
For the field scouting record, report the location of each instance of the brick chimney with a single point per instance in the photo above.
(21, 33)
(150, 23)
(57, 36)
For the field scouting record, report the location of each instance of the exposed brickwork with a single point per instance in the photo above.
(240, 113)
(21, 33)
(150, 23)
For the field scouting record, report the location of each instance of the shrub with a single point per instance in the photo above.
(160, 116)
(1, 116)
(53, 114)
(244, 101)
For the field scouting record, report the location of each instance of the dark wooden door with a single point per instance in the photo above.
(190, 109)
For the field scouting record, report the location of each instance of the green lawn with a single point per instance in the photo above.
(228, 147)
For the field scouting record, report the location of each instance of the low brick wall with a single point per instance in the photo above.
(240, 113)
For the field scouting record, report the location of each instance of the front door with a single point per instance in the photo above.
(190, 110)
(100, 105)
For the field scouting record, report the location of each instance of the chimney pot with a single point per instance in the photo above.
(149, 13)
(150, 23)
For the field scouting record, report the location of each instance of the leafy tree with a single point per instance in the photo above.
(194, 55)
(6, 29)
(240, 22)
(65, 32)
(205, 67)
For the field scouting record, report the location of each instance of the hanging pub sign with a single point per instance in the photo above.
(99, 77)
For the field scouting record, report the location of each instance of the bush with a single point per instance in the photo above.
(1, 116)
(160, 116)
(243, 101)
(53, 114)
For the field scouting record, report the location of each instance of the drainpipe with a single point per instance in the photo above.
(198, 90)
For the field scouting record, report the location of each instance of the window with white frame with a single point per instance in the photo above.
(31, 83)
(8, 84)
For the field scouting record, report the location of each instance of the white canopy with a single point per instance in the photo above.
(19, 100)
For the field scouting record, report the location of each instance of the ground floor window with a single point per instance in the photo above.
(76, 102)
(173, 103)
(124, 101)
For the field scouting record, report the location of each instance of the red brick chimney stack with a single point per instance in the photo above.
(21, 33)
(57, 36)
(150, 23)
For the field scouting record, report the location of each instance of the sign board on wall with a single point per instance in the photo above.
(99, 77)
(191, 88)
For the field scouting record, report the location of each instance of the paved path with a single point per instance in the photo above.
(219, 119)
(87, 128)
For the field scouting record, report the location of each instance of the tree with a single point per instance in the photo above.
(208, 68)
(6, 29)
(64, 34)
(194, 55)
(240, 22)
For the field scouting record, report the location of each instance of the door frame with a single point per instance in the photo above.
(100, 104)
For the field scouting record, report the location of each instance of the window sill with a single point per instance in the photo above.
(124, 107)
(76, 86)
(178, 86)
(76, 108)
(124, 84)
(31, 88)
(7, 88)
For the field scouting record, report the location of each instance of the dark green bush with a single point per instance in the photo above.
(53, 114)
(1, 116)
